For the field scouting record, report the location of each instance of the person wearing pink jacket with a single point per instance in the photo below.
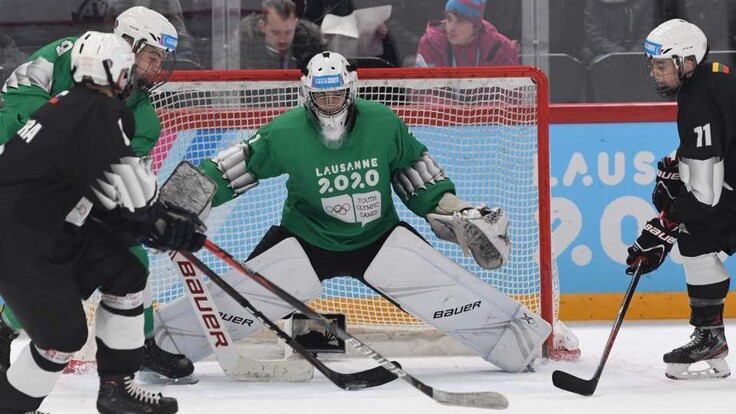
(464, 38)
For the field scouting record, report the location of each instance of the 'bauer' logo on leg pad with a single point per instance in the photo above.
(454, 311)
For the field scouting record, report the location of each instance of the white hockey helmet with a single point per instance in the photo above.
(102, 59)
(144, 27)
(675, 40)
(329, 88)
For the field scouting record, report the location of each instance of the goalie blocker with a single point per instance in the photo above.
(406, 270)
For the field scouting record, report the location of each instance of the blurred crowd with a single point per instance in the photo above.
(282, 34)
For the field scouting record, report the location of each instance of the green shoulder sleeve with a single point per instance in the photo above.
(424, 200)
(147, 124)
(46, 73)
(261, 163)
(263, 154)
(224, 192)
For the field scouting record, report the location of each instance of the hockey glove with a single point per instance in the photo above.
(652, 246)
(667, 185)
(174, 228)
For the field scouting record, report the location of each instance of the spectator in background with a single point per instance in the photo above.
(566, 27)
(10, 58)
(277, 39)
(465, 38)
(316, 10)
(613, 26)
(36, 23)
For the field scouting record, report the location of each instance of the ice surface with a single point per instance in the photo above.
(633, 382)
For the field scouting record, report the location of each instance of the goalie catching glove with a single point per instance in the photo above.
(652, 246)
(481, 230)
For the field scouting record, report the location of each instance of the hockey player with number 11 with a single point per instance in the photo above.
(694, 192)
(342, 155)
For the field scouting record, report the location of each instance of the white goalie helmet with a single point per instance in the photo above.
(329, 88)
(102, 59)
(674, 40)
(143, 27)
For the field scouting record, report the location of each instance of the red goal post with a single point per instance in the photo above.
(470, 119)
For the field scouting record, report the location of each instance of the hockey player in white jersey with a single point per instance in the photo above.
(331, 228)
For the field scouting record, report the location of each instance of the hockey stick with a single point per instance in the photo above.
(571, 383)
(353, 381)
(483, 399)
(233, 364)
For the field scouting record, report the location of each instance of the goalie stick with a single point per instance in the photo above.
(483, 399)
(353, 381)
(571, 383)
(225, 351)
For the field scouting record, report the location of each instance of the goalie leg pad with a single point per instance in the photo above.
(445, 295)
(286, 264)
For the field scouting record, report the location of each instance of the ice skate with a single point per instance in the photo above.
(162, 367)
(120, 395)
(7, 335)
(708, 345)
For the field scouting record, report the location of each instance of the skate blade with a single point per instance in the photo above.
(717, 368)
(154, 378)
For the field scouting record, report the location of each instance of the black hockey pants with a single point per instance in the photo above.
(45, 287)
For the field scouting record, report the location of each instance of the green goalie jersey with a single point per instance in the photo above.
(338, 199)
(47, 73)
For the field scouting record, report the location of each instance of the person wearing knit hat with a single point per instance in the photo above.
(470, 10)
(465, 38)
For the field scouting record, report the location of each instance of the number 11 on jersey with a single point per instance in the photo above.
(703, 131)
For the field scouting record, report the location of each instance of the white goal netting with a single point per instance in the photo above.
(486, 126)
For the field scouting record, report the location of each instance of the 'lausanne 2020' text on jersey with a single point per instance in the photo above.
(338, 199)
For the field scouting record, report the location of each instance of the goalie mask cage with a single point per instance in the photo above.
(486, 126)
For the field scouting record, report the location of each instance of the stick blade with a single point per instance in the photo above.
(567, 382)
(483, 399)
(365, 379)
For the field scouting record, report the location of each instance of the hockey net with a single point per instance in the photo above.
(488, 127)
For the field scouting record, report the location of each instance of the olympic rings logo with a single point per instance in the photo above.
(341, 209)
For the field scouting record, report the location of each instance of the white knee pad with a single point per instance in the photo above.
(706, 269)
(286, 264)
(114, 326)
(29, 378)
(445, 295)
